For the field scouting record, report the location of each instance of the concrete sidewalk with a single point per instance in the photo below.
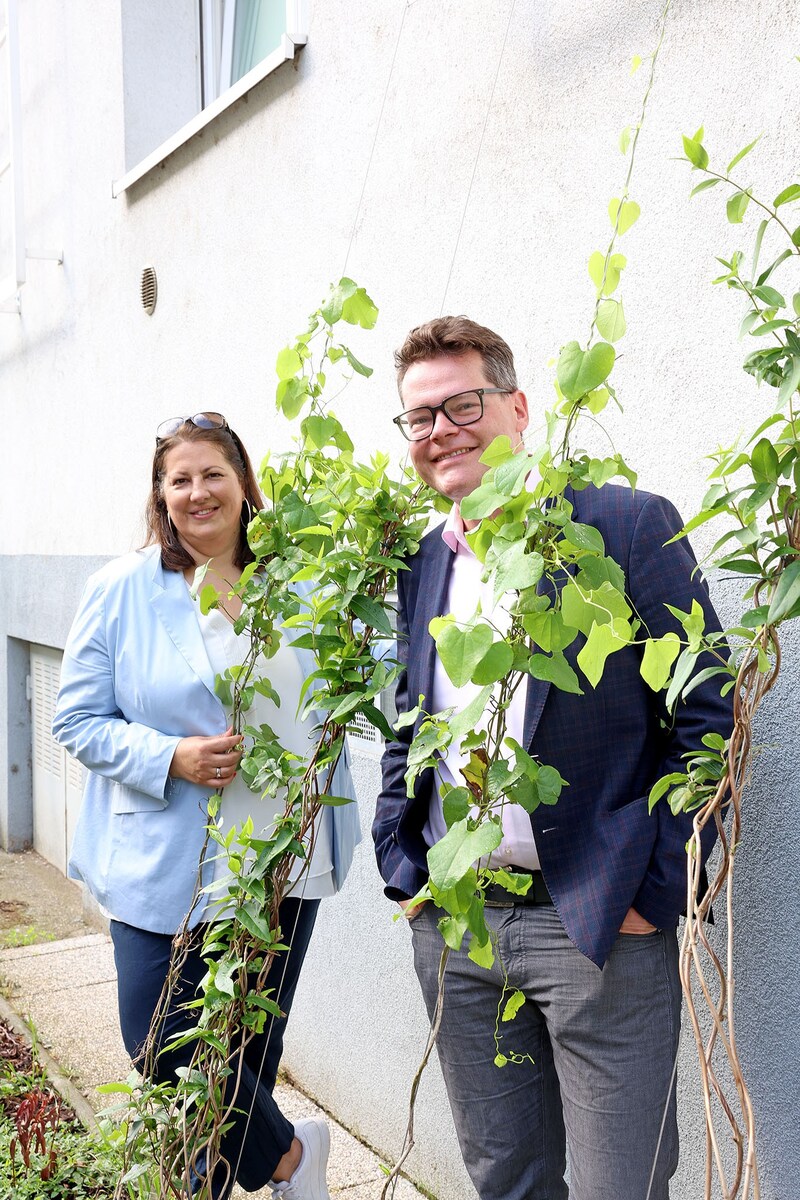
(67, 989)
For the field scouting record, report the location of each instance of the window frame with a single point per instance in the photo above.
(296, 35)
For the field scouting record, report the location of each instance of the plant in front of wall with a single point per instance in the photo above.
(327, 545)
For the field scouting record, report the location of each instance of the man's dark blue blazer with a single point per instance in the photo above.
(600, 850)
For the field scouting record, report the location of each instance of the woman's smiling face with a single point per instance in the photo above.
(204, 498)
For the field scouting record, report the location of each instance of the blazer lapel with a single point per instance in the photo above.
(431, 602)
(173, 605)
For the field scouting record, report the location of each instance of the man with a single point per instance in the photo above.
(593, 945)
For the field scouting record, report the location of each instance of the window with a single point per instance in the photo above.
(236, 35)
(186, 61)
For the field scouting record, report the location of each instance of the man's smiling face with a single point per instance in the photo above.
(449, 460)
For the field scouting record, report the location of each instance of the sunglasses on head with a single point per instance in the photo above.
(203, 420)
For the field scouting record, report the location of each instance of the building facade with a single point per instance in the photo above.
(456, 156)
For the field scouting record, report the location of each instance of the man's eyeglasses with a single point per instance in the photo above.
(466, 408)
(203, 420)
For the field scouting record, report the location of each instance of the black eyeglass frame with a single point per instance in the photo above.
(200, 420)
(436, 408)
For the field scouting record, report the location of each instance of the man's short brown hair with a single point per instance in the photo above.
(456, 336)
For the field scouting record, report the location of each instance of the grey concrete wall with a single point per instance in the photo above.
(38, 598)
(248, 223)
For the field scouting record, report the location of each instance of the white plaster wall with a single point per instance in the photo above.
(248, 223)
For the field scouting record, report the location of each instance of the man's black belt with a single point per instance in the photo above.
(497, 896)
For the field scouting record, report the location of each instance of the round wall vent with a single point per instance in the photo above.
(149, 289)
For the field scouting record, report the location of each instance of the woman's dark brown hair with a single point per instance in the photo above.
(160, 529)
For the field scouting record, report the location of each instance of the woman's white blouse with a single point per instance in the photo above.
(227, 649)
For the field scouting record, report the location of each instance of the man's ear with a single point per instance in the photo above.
(521, 410)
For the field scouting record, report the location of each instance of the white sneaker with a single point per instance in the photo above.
(308, 1181)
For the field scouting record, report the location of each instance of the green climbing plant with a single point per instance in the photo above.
(328, 542)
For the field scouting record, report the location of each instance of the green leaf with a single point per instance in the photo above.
(373, 614)
(737, 207)
(636, 62)
(451, 857)
(702, 187)
(769, 327)
(695, 152)
(290, 396)
(787, 593)
(467, 719)
(518, 885)
(581, 371)
(209, 598)
(548, 784)
(791, 381)
(556, 670)
(603, 640)
(661, 786)
(625, 139)
(481, 953)
(494, 665)
(792, 192)
(460, 650)
(612, 271)
(456, 805)
(611, 320)
(334, 801)
(547, 630)
(764, 459)
(659, 655)
(359, 367)
(512, 1006)
(288, 363)
(377, 718)
(585, 537)
(498, 450)
(358, 309)
(331, 310)
(683, 670)
(628, 216)
(509, 476)
(517, 570)
(600, 606)
(764, 276)
(770, 296)
(737, 158)
(320, 430)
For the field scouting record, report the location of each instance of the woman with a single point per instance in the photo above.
(137, 707)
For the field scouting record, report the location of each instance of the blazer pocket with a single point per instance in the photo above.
(127, 800)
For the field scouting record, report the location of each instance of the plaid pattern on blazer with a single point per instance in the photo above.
(600, 851)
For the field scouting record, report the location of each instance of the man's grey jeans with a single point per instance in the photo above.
(603, 1045)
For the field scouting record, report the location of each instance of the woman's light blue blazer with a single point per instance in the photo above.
(135, 680)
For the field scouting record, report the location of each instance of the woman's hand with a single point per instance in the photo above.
(209, 761)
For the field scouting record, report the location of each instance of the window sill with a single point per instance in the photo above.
(284, 53)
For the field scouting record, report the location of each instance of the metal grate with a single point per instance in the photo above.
(47, 753)
(74, 774)
(362, 732)
(149, 290)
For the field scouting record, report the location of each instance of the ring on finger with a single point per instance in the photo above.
(218, 772)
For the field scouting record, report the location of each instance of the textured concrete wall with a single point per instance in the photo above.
(248, 223)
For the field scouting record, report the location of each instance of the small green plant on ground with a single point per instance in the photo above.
(27, 935)
(45, 1151)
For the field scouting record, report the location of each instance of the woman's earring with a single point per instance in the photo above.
(246, 520)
